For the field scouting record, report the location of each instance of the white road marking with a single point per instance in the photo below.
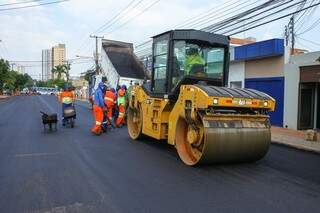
(35, 154)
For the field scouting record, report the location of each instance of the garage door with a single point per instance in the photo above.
(273, 87)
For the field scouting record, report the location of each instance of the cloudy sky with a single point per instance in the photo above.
(25, 32)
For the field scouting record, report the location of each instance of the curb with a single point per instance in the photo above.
(300, 146)
(4, 98)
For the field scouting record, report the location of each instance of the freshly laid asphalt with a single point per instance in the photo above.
(73, 171)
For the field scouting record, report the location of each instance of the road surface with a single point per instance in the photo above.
(72, 171)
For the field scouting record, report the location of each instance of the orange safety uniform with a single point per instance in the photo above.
(122, 107)
(66, 97)
(98, 109)
(110, 99)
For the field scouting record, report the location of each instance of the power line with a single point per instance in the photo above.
(23, 2)
(264, 17)
(137, 15)
(312, 42)
(207, 19)
(109, 23)
(36, 5)
(221, 25)
(117, 17)
(40, 65)
(205, 14)
(278, 18)
(209, 14)
(317, 22)
(302, 18)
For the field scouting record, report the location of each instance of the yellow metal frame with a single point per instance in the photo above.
(160, 115)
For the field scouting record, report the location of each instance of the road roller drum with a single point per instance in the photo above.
(223, 142)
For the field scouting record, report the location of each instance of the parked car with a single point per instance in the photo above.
(25, 91)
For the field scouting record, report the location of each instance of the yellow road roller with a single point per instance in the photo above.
(187, 104)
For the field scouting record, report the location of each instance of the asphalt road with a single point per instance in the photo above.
(72, 171)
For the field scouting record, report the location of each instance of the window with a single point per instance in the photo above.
(160, 66)
(236, 84)
(196, 59)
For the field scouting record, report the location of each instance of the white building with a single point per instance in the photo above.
(302, 91)
(46, 64)
(21, 69)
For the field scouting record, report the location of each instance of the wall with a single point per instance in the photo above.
(236, 72)
(291, 96)
(266, 67)
(267, 75)
(262, 49)
(275, 88)
(291, 91)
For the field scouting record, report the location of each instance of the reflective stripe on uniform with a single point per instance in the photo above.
(108, 99)
(66, 100)
(121, 114)
(98, 123)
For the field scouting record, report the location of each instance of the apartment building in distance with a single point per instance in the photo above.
(51, 58)
(46, 64)
(58, 56)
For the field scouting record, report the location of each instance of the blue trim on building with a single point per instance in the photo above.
(273, 86)
(263, 49)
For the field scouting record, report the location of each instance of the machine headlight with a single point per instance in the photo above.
(215, 101)
(265, 103)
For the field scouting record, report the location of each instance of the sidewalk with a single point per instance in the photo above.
(294, 139)
(2, 97)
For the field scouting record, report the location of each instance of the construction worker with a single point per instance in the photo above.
(110, 99)
(67, 98)
(194, 62)
(98, 108)
(121, 106)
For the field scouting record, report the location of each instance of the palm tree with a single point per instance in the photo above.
(60, 69)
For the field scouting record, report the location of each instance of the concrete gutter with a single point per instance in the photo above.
(297, 143)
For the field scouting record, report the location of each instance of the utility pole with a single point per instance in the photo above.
(96, 56)
(286, 35)
(291, 28)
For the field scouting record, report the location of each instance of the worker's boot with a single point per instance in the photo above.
(96, 130)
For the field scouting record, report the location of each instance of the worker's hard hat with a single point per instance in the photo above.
(124, 87)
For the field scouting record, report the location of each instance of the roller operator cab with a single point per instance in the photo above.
(187, 105)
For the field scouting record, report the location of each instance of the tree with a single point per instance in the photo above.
(60, 69)
(67, 68)
(4, 72)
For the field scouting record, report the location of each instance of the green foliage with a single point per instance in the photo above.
(318, 59)
(52, 83)
(12, 80)
(4, 70)
(88, 76)
(60, 69)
